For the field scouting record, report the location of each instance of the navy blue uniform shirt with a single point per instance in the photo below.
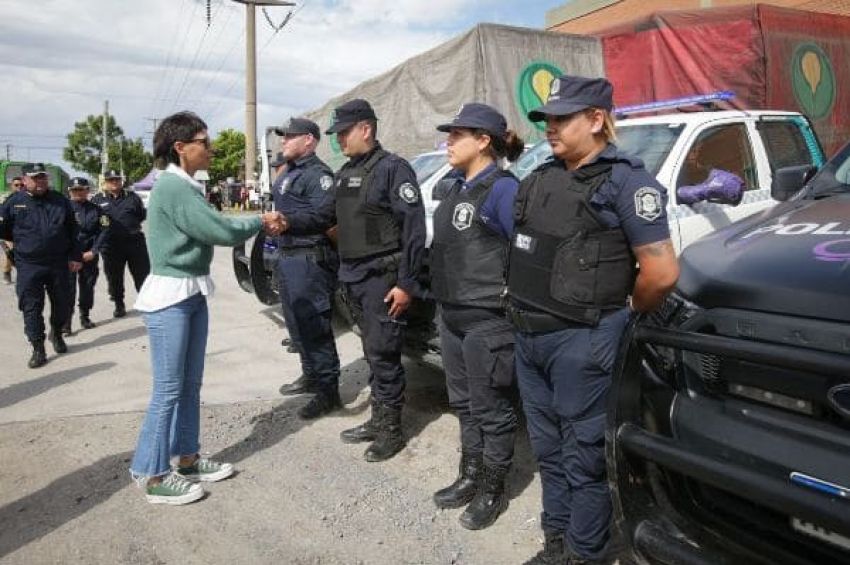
(631, 199)
(43, 228)
(126, 213)
(386, 180)
(301, 187)
(93, 225)
(497, 210)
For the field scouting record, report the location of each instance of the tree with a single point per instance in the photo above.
(85, 145)
(229, 155)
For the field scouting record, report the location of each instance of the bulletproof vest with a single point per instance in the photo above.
(365, 229)
(563, 260)
(468, 259)
(291, 197)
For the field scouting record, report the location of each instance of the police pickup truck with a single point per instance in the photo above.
(729, 423)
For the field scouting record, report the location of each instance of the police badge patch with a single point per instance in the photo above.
(462, 216)
(648, 203)
(326, 182)
(408, 193)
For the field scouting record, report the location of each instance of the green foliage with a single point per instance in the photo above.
(85, 145)
(229, 157)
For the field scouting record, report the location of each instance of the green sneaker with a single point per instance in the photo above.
(206, 470)
(173, 489)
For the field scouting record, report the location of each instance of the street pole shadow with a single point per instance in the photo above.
(38, 514)
(28, 389)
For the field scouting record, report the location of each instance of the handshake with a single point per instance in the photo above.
(274, 223)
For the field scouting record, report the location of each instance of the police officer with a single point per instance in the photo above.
(93, 230)
(306, 268)
(16, 184)
(41, 224)
(381, 230)
(472, 229)
(125, 242)
(278, 165)
(584, 219)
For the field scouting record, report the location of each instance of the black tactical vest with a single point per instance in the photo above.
(468, 259)
(563, 260)
(364, 229)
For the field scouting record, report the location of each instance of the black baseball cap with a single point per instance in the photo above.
(350, 113)
(300, 126)
(79, 183)
(33, 169)
(112, 174)
(569, 94)
(478, 116)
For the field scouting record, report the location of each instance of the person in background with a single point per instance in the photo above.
(8, 258)
(183, 229)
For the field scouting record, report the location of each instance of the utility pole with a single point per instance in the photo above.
(8, 151)
(251, 81)
(104, 152)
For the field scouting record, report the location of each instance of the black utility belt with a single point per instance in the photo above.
(538, 322)
(318, 251)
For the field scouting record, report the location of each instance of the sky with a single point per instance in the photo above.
(61, 59)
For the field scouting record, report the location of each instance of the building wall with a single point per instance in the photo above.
(592, 16)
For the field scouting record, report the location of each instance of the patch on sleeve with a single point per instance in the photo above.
(648, 203)
(326, 182)
(104, 221)
(408, 193)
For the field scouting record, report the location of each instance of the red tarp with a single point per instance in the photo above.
(772, 58)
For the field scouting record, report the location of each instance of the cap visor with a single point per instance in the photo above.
(339, 126)
(280, 132)
(556, 108)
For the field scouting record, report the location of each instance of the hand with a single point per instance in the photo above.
(88, 257)
(274, 223)
(398, 300)
(74, 266)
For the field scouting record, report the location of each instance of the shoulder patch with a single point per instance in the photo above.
(104, 221)
(326, 182)
(408, 193)
(648, 203)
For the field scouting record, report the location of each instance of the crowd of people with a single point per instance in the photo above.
(535, 282)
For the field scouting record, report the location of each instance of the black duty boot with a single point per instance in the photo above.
(323, 402)
(554, 551)
(39, 356)
(119, 311)
(66, 328)
(55, 337)
(367, 431)
(85, 321)
(300, 385)
(489, 501)
(389, 439)
(463, 490)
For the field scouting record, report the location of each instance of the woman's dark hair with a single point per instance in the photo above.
(510, 147)
(182, 126)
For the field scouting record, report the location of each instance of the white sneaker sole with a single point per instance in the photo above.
(192, 495)
(225, 471)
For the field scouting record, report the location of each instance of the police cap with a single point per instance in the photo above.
(79, 183)
(568, 95)
(33, 169)
(300, 126)
(478, 116)
(350, 113)
(112, 174)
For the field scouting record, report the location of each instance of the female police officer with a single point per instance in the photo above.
(472, 229)
(583, 220)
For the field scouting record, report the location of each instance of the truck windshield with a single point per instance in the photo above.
(427, 164)
(649, 142)
(834, 176)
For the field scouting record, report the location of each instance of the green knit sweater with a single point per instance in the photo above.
(183, 228)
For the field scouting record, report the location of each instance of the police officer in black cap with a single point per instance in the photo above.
(94, 225)
(584, 220)
(306, 268)
(381, 226)
(473, 225)
(125, 242)
(41, 224)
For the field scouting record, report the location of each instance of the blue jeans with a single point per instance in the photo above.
(178, 342)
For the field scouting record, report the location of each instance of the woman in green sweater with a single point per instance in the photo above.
(182, 230)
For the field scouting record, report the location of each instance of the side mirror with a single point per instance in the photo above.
(443, 187)
(720, 187)
(787, 181)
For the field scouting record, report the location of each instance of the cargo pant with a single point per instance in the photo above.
(34, 281)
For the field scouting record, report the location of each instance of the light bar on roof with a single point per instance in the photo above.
(701, 99)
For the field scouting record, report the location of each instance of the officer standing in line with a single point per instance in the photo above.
(306, 268)
(125, 243)
(41, 224)
(16, 184)
(381, 226)
(473, 225)
(94, 226)
(584, 219)
(278, 165)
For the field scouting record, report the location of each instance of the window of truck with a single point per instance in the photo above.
(726, 147)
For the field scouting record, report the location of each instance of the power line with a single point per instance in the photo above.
(174, 35)
(190, 23)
